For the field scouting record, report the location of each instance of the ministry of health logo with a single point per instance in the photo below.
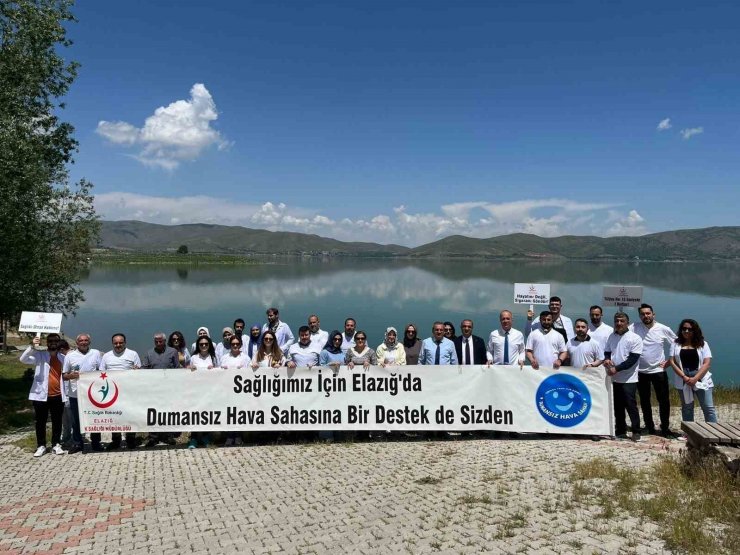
(563, 400)
(100, 394)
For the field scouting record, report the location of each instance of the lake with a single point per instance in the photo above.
(140, 300)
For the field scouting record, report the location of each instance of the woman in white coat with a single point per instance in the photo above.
(48, 393)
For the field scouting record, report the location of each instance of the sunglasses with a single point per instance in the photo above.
(687, 329)
(360, 338)
(235, 345)
(205, 344)
(267, 339)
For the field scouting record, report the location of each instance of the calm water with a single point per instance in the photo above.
(142, 300)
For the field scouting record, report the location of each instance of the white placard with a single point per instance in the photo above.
(532, 293)
(622, 295)
(41, 322)
(509, 398)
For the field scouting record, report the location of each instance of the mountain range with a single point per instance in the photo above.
(711, 243)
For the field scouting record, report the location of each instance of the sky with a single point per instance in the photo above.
(408, 121)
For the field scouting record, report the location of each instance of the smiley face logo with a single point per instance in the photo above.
(563, 400)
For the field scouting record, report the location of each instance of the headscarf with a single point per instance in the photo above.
(208, 334)
(410, 342)
(230, 330)
(387, 341)
(330, 343)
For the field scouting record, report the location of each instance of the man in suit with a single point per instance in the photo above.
(470, 348)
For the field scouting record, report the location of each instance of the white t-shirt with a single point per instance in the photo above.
(545, 346)
(583, 353)
(319, 339)
(201, 363)
(127, 360)
(304, 356)
(232, 362)
(267, 361)
(654, 342)
(600, 334)
(620, 346)
(75, 361)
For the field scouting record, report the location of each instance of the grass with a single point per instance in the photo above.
(475, 499)
(15, 408)
(428, 481)
(170, 258)
(721, 394)
(696, 502)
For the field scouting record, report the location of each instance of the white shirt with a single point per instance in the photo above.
(307, 355)
(201, 363)
(319, 339)
(655, 339)
(545, 346)
(283, 335)
(347, 344)
(75, 361)
(704, 353)
(600, 334)
(267, 361)
(220, 349)
(516, 346)
(620, 346)
(232, 362)
(127, 360)
(583, 353)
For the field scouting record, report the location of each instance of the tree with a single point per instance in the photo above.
(182, 249)
(46, 226)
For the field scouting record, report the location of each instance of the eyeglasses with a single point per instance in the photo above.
(235, 345)
(206, 344)
(687, 329)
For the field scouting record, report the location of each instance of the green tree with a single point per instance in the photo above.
(46, 225)
(182, 249)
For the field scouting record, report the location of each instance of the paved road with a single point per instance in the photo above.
(473, 495)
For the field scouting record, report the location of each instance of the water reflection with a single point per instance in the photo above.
(378, 293)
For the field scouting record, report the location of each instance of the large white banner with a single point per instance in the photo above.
(454, 398)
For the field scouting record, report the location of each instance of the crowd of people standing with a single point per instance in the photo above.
(632, 354)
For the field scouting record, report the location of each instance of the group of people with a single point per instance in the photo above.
(633, 354)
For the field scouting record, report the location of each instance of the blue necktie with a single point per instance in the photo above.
(506, 348)
(436, 355)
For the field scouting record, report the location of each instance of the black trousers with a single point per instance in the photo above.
(625, 399)
(659, 381)
(53, 406)
(115, 439)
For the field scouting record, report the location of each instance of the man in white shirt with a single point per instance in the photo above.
(506, 345)
(84, 359)
(560, 323)
(545, 346)
(283, 335)
(656, 337)
(348, 337)
(583, 350)
(303, 353)
(621, 357)
(120, 358)
(598, 330)
(319, 337)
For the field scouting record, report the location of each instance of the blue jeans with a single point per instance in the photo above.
(704, 397)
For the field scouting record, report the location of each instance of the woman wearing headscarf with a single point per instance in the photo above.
(223, 346)
(202, 332)
(252, 344)
(390, 352)
(177, 341)
(331, 354)
(411, 344)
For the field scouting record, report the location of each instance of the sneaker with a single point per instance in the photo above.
(192, 444)
(75, 449)
(57, 450)
(229, 442)
(40, 451)
(636, 437)
(238, 442)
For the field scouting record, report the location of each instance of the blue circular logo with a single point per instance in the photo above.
(563, 400)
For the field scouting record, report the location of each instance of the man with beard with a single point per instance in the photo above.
(348, 337)
(652, 368)
(303, 353)
(545, 346)
(583, 350)
(560, 323)
(598, 330)
(120, 358)
(319, 337)
(283, 335)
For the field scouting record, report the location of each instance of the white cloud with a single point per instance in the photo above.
(632, 224)
(173, 134)
(544, 217)
(690, 132)
(664, 124)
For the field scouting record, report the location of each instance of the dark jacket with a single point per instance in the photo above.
(477, 349)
